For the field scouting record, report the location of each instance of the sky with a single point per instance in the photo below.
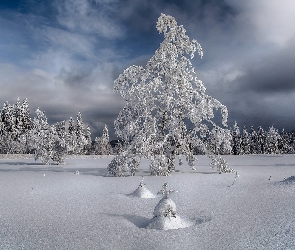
(64, 55)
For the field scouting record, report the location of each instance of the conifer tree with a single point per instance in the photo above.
(102, 144)
(80, 135)
(260, 141)
(16, 122)
(253, 141)
(236, 139)
(285, 143)
(71, 137)
(88, 146)
(41, 137)
(272, 141)
(8, 127)
(59, 142)
(245, 145)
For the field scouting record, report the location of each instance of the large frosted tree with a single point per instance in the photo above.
(167, 111)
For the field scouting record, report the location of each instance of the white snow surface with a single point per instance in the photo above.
(49, 207)
(168, 223)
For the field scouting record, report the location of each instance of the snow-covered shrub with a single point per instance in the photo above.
(118, 166)
(220, 164)
(132, 163)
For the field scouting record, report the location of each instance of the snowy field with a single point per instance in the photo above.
(49, 207)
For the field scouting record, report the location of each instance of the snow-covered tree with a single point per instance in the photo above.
(285, 143)
(41, 137)
(59, 137)
(253, 141)
(80, 135)
(8, 133)
(220, 141)
(102, 144)
(88, 146)
(236, 139)
(47, 142)
(16, 122)
(71, 137)
(260, 141)
(272, 141)
(162, 100)
(245, 144)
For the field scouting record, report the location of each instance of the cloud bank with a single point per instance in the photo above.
(64, 55)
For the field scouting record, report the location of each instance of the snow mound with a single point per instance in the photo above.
(165, 217)
(289, 180)
(168, 223)
(142, 192)
(165, 208)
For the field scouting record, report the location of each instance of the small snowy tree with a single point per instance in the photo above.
(71, 136)
(88, 146)
(59, 142)
(272, 141)
(102, 144)
(260, 141)
(245, 144)
(253, 141)
(47, 142)
(81, 140)
(236, 140)
(162, 99)
(285, 143)
(41, 137)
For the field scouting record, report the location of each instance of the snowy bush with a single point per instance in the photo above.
(220, 164)
(118, 166)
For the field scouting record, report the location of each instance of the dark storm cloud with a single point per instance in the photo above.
(65, 55)
(271, 74)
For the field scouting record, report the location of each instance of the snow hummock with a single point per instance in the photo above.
(166, 208)
(165, 217)
(168, 223)
(142, 192)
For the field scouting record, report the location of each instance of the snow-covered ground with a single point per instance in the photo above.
(50, 207)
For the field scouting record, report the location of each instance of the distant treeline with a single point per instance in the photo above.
(22, 134)
(258, 141)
